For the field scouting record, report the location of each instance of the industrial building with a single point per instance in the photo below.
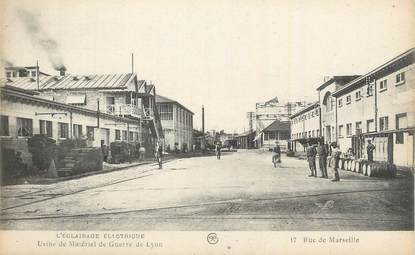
(177, 123)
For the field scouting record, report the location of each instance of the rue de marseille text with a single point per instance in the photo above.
(99, 240)
(325, 239)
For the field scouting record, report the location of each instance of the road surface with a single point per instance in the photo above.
(242, 191)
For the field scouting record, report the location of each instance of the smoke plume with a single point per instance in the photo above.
(41, 39)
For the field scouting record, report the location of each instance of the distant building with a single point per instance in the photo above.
(267, 112)
(305, 126)
(245, 140)
(23, 71)
(277, 131)
(177, 123)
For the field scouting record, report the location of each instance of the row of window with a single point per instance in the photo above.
(166, 113)
(24, 128)
(383, 85)
(307, 134)
(275, 136)
(305, 116)
(400, 120)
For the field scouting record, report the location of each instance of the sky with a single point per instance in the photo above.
(225, 55)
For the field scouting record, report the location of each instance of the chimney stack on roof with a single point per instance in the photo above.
(62, 71)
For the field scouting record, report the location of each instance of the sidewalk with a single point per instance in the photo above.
(108, 168)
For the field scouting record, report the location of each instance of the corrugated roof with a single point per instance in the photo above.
(278, 125)
(74, 82)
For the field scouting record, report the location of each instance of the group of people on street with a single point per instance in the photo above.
(322, 151)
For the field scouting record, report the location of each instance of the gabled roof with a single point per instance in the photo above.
(166, 100)
(74, 82)
(278, 125)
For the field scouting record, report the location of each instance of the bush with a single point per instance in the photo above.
(43, 150)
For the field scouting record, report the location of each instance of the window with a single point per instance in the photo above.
(312, 133)
(266, 136)
(318, 132)
(4, 125)
(341, 131)
(349, 129)
(340, 102)
(309, 133)
(165, 111)
(369, 90)
(400, 78)
(401, 121)
(63, 129)
(358, 95)
(383, 123)
(399, 138)
(45, 127)
(24, 127)
(8, 75)
(383, 85)
(131, 136)
(90, 133)
(77, 130)
(358, 127)
(136, 136)
(271, 136)
(124, 135)
(14, 74)
(370, 125)
(117, 134)
(348, 99)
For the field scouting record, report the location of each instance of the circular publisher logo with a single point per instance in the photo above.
(212, 238)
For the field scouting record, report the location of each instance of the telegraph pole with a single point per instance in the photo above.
(203, 128)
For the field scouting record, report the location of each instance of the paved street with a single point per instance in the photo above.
(242, 191)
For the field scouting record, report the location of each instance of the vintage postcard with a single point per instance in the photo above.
(207, 127)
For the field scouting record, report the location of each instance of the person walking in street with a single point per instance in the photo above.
(311, 158)
(322, 159)
(336, 156)
(276, 154)
(159, 155)
(370, 148)
(218, 150)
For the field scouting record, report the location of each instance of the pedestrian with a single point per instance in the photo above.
(159, 155)
(370, 148)
(336, 156)
(218, 150)
(311, 158)
(142, 152)
(322, 159)
(276, 154)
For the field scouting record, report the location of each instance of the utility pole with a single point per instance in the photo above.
(132, 63)
(203, 128)
(37, 74)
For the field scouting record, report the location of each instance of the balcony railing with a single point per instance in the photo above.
(123, 110)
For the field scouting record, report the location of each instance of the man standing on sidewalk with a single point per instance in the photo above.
(336, 156)
(322, 159)
(311, 158)
(159, 155)
(218, 150)
(370, 148)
